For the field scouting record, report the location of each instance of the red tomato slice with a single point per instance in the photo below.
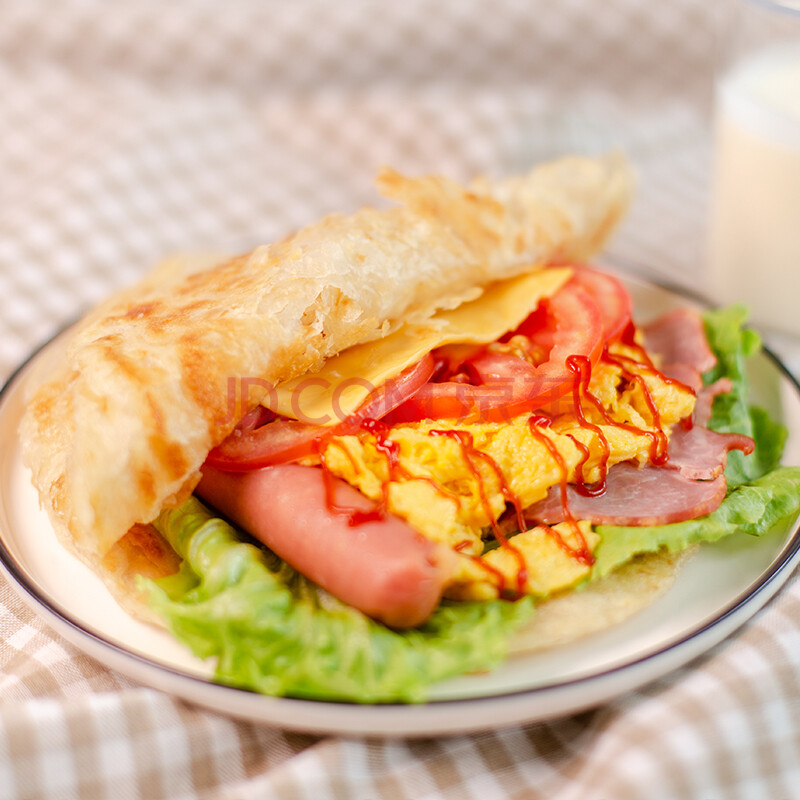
(571, 324)
(389, 396)
(274, 443)
(611, 297)
(255, 418)
(449, 359)
(251, 446)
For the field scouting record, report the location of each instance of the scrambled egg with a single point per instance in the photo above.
(456, 488)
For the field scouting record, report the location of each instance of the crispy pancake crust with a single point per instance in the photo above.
(126, 420)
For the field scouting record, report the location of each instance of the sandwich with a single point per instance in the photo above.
(402, 444)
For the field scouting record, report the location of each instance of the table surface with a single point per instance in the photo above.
(134, 130)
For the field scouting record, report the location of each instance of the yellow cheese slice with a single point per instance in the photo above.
(328, 396)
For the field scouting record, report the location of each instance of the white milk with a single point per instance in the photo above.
(755, 226)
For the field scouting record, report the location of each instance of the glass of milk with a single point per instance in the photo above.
(755, 200)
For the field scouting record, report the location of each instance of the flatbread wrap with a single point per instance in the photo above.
(386, 448)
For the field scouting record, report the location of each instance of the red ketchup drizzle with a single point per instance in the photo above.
(628, 338)
(581, 368)
(581, 553)
(354, 516)
(389, 448)
(469, 452)
(384, 445)
(499, 578)
(580, 484)
(659, 443)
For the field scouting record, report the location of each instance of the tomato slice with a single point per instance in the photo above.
(569, 323)
(390, 395)
(255, 418)
(252, 445)
(452, 358)
(276, 442)
(611, 297)
(590, 309)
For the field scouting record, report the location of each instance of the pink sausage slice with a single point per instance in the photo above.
(383, 568)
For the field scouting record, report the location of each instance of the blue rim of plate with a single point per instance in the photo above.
(782, 561)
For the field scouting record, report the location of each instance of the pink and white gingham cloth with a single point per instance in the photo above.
(131, 130)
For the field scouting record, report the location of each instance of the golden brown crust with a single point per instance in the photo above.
(141, 551)
(142, 393)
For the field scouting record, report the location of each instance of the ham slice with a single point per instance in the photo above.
(692, 482)
(647, 496)
(684, 373)
(679, 338)
(382, 567)
(700, 453)
(705, 399)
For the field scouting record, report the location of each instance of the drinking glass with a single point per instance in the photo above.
(755, 194)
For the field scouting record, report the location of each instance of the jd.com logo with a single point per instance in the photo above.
(243, 393)
(463, 400)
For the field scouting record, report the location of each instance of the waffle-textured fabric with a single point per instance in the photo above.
(131, 130)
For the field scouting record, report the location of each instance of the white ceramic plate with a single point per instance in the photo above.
(722, 587)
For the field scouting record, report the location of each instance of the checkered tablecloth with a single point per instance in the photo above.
(130, 130)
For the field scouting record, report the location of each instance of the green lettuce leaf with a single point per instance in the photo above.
(760, 492)
(273, 631)
(733, 344)
(752, 508)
